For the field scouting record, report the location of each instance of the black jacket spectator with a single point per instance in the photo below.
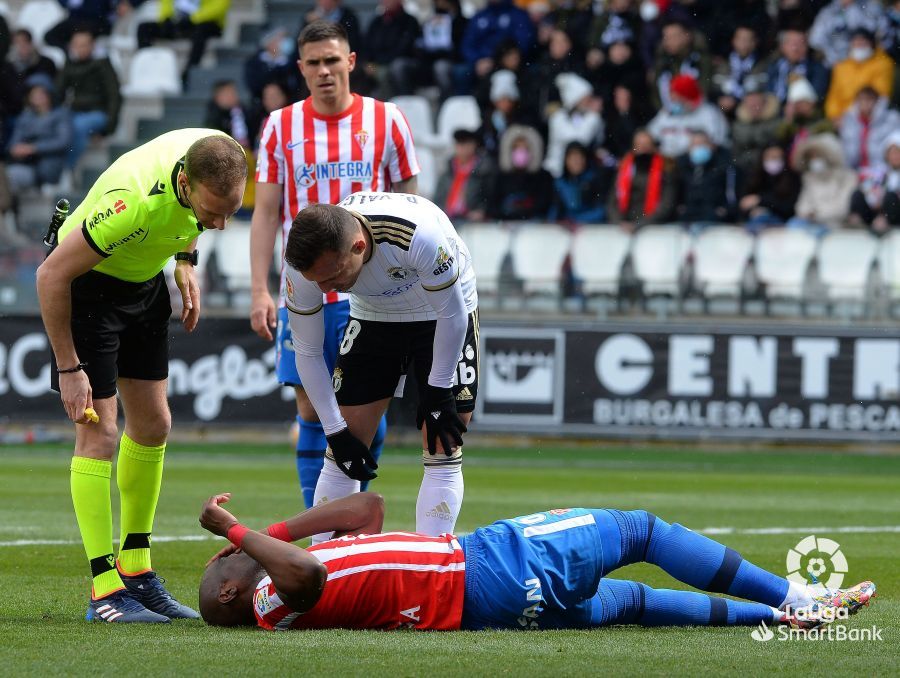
(523, 190)
(708, 188)
(771, 190)
(389, 49)
(331, 10)
(23, 62)
(91, 85)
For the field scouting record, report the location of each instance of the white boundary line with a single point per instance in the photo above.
(846, 529)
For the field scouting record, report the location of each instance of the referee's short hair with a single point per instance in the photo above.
(320, 30)
(218, 162)
(317, 229)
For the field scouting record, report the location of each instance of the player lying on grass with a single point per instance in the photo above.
(541, 571)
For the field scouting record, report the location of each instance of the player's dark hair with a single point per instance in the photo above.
(317, 229)
(320, 30)
(242, 571)
(217, 162)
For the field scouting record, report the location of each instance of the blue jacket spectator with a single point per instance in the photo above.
(795, 61)
(39, 143)
(580, 193)
(498, 20)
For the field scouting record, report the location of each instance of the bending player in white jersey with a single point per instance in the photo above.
(320, 149)
(413, 305)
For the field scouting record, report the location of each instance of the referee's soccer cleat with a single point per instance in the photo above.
(121, 608)
(148, 590)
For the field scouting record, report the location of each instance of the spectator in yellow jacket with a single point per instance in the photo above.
(866, 66)
(195, 20)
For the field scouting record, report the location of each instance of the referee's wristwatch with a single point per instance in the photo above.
(190, 257)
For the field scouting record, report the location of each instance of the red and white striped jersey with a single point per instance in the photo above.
(379, 581)
(324, 158)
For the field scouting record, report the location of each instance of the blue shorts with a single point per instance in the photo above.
(336, 315)
(540, 571)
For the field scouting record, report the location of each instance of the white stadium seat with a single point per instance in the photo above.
(845, 261)
(889, 263)
(56, 54)
(598, 253)
(721, 254)
(460, 112)
(538, 253)
(783, 256)
(417, 111)
(153, 72)
(488, 244)
(658, 254)
(39, 16)
(232, 246)
(428, 171)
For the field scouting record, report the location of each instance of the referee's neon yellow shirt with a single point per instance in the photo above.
(132, 215)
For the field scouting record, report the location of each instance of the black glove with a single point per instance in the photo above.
(352, 456)
(437, 410)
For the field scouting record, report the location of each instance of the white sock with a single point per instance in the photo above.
(798, 595)
(441, 493)
(333, 484)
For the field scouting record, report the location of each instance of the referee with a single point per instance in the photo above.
(105, 305)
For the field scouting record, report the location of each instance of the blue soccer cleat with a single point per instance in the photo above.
(121, 608)
(148, 590)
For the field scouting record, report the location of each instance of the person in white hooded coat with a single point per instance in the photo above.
(578, 120)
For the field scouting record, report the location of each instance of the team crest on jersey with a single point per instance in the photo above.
(263, 603)
(337, 379)
(442, 262)
(559, 512)
(362, 138)
(398, 273)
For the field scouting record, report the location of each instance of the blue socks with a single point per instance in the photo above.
(628, 602)
(311, 446)
(690, 558)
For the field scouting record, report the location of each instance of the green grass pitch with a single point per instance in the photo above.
(44, 586)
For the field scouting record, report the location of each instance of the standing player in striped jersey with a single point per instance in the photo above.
(541, 571)
(320, 149)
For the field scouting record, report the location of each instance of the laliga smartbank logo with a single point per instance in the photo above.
(817, 560)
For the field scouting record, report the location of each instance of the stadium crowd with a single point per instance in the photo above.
(630, 112)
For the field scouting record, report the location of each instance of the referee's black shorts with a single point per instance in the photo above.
(121, 329)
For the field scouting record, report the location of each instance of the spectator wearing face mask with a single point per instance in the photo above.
(827, 185)
(835, 25)
(865, 66)
(709, 184)
(578, 120)
(865, 127)
(771, 191)
(645, 190)
(876, 204)
(685, 112)
(524, 190)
